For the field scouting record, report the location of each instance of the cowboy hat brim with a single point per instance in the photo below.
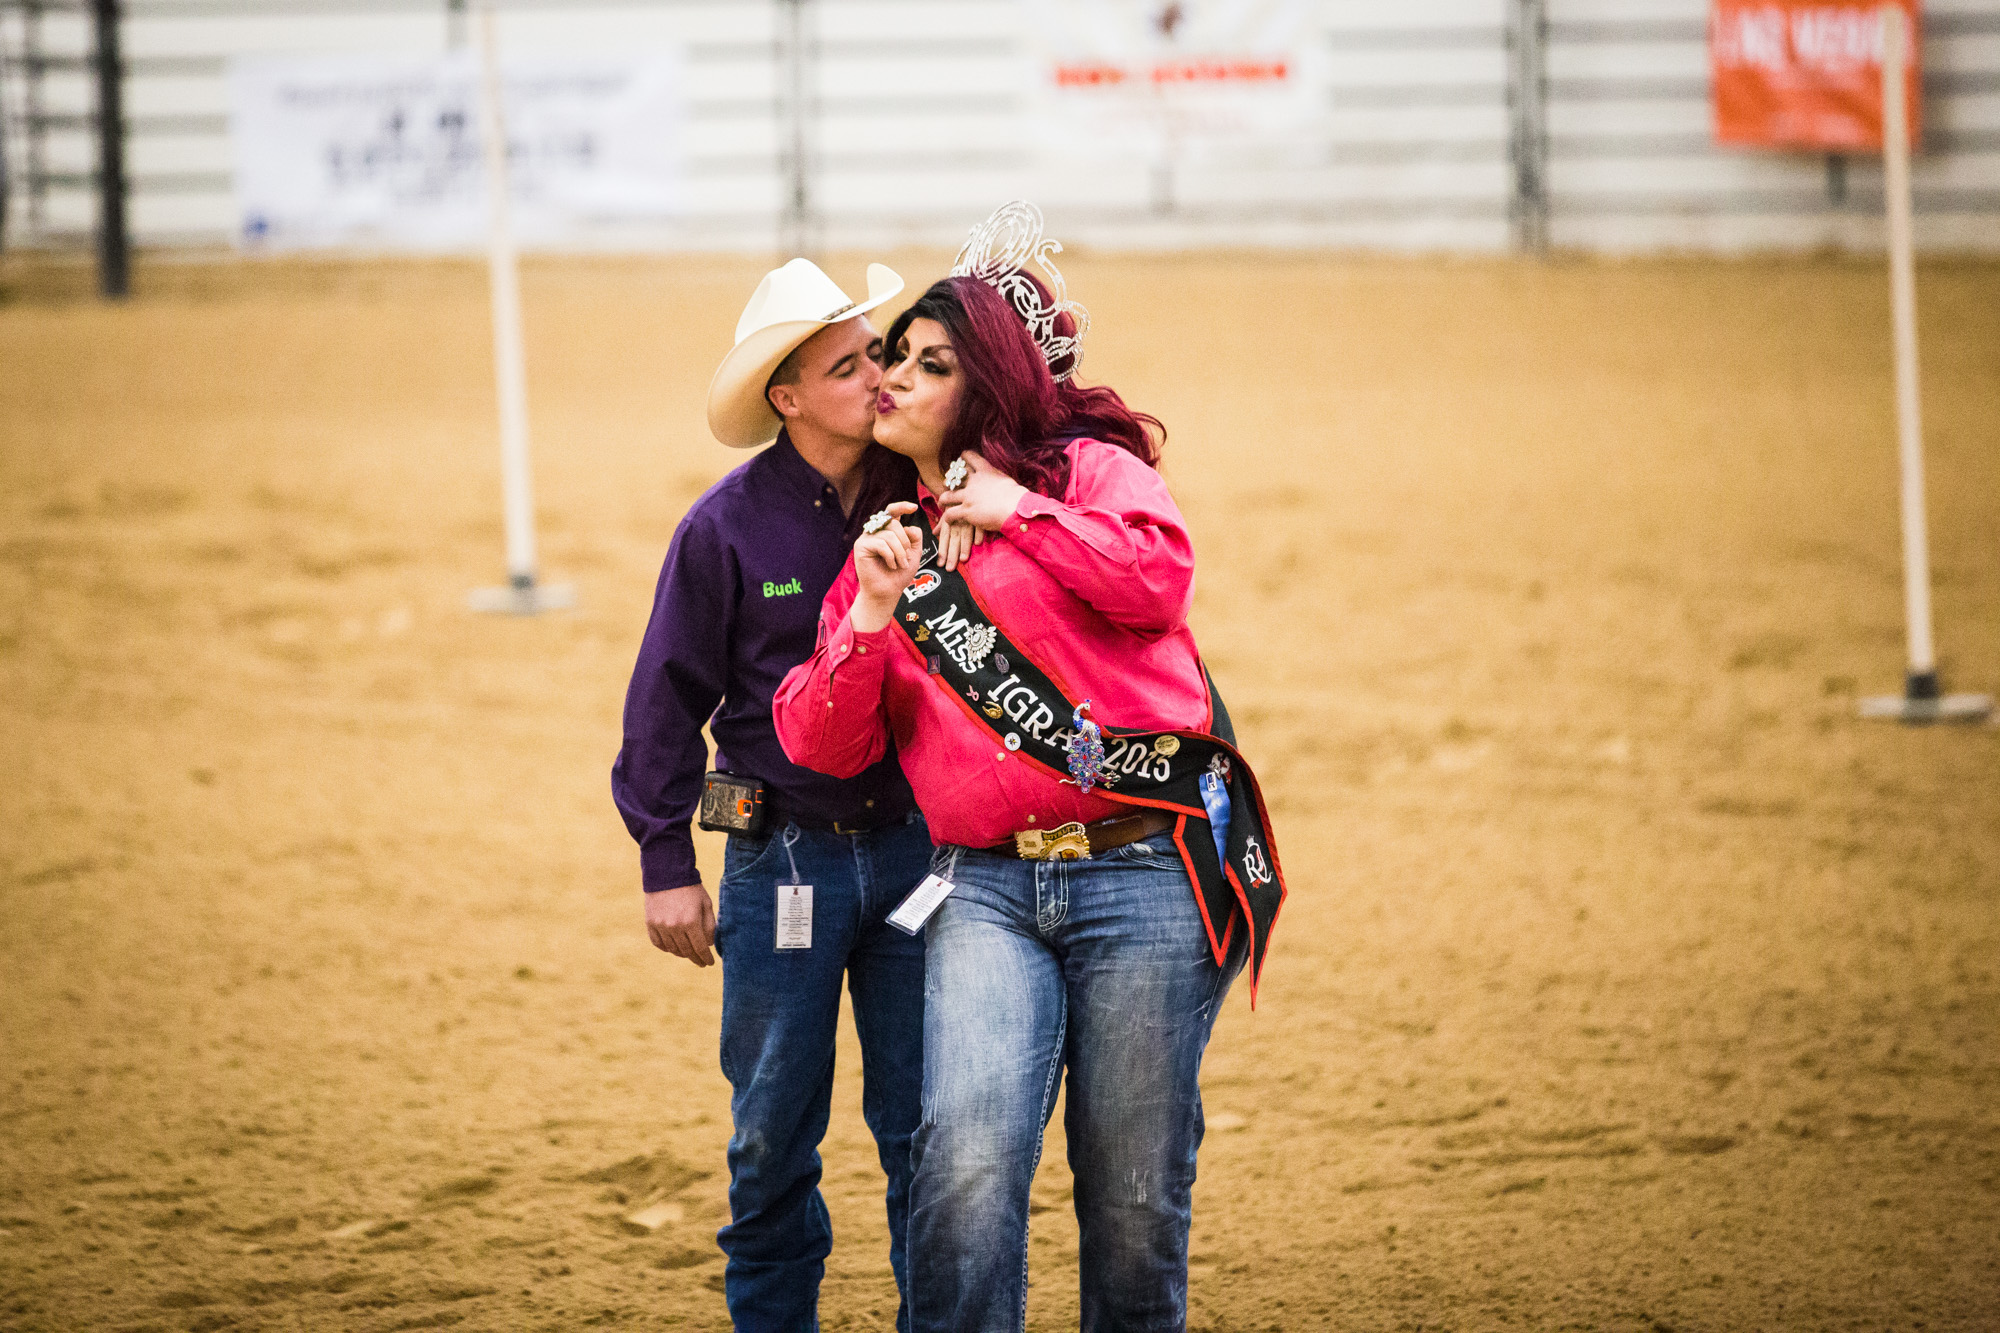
(739, 414)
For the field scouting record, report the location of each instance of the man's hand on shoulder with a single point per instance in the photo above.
(682, 922)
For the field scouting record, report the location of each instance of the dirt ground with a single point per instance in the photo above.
(1628, 980)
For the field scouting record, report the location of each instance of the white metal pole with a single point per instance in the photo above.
(509, 372)
(1903, 302)
(798, 236)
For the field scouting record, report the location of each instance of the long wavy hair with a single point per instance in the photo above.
(1010, 407)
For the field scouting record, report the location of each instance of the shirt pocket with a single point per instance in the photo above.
(1029, 605)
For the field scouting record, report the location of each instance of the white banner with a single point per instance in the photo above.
(385, 151)
(1124, 76)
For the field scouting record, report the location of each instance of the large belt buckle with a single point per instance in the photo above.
(1071, 842)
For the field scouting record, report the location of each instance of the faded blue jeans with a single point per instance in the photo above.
(779, 1012)
(1100, 966)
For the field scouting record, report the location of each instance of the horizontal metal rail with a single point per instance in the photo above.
(1478, 38)
(1586, 146)
(1418, 94)
(204, 9)
(1345, 210)
(1745, 203)
(1580, 31)
(1937, 83)
(1456, 123)
(1596, 32)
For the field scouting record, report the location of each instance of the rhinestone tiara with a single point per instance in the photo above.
(998, 252)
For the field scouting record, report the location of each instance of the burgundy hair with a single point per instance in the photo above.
(1010, 408)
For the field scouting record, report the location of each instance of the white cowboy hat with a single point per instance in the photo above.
(789, 306)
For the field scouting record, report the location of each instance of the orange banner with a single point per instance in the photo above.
(1805, 73)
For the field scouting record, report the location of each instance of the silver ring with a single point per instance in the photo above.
(877, 521)
(954, 476)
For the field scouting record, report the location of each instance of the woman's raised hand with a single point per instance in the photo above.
(884, 563)
(955, 542)
(987, 498)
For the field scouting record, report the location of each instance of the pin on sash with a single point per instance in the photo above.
(1085, 748)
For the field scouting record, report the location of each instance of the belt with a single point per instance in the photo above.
(1079, 842)
(780, 816)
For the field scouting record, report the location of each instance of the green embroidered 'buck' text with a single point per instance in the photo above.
(781, 589)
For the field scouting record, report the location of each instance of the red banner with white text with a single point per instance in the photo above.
(1122, 77)
(1806, 73)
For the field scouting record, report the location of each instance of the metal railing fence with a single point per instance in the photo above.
(1443, 124)
(1632, 162)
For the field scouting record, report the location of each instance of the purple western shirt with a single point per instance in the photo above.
(737, 607)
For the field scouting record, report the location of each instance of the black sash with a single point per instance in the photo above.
(999, 686)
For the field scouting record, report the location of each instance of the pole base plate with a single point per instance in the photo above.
(1950, 708)
(523, 600)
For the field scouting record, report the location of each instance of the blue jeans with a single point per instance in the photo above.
(1101, 966)
(779, 1011)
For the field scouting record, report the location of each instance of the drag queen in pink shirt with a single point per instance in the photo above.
(1104, 865)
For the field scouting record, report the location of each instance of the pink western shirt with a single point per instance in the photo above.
(1095, 588)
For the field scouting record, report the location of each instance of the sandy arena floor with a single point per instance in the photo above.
(1628, 981)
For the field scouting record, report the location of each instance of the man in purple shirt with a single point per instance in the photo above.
(802, 902)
